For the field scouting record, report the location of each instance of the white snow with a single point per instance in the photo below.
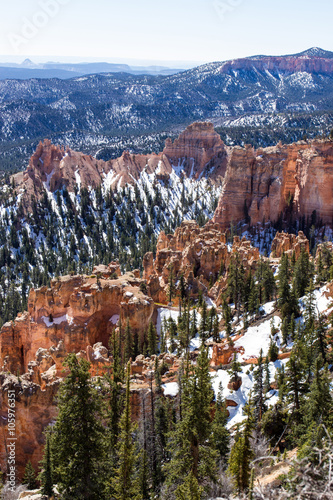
(256, 338)
(114, 319)
(56, 321)
(170, 389)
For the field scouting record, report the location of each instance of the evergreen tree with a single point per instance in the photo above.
(235, 368)
(220, 434)
(190, 489)
(319, 403)
(189, 444)
(77, 438)
(295, 385)
(29, 478)
(258, 389)
(46, 472)
(152, 339)
(241, 455)
(236, 281)
(302, 273)
(171, 285)
(203, 322)
(226, 311)
(273, 351)
(128, 354)
(123, 483)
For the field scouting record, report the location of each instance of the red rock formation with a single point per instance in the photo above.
(78, 311)
(199, 149)
(291, 64)
(223, 352)
(34, 410)
(265, 182)
(197, 253)
(289, 243)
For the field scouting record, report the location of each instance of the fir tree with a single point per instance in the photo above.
(29, 478)
(128, 342)
(203, 322)
(189, 444)
(235, 368)
(220, 434)
(190, 489)
(46, 472)
(77, 438)
(259, 390)
(241, 455)
(226, 311)
(123, 483)
(152, 339)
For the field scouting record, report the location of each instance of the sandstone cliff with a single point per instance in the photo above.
(289, 243)
(197, 254)
(264, 183)
(199, 150)
(75, 312)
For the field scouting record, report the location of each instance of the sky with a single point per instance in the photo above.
(178, 33)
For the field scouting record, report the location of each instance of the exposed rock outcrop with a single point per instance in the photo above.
(289, 243)
(198, 254)
(264, 183)
(75, 312)
(198, 150)
(34, 410)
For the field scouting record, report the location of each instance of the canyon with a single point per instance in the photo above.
(258, 185)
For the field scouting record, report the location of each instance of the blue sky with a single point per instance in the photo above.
(169, 32)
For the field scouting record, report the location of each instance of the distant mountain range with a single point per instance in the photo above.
(98, 111)
(28, 69)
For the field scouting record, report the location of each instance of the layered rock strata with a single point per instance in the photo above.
(198, 254)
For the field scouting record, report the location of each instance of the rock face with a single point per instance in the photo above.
(75, 312)
(34, 410)
(260, 184)
(290, 64)
(289, 243)
(223, 353)
(197, 254)
(263, 183)
(198, 150)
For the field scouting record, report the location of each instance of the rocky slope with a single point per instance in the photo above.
(76, 311)
(263, 183)
(197, 152)
(197, 254)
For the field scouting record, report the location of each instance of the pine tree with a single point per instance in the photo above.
(128, 342)
(220, 435)
(123, 483)
(190, 489)
(241, 455)
(258, 389)
(29, 478)
(235, 368)
(295, 384)
(273, 351)
(189, 444)
(194, 327)
(319, 402)
(152, 339)
(46, 466)
(203, 322)
(171, 285)
(77, 438)
(226, 311)
(302, 273)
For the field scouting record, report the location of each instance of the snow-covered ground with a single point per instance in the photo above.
(257, 338)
